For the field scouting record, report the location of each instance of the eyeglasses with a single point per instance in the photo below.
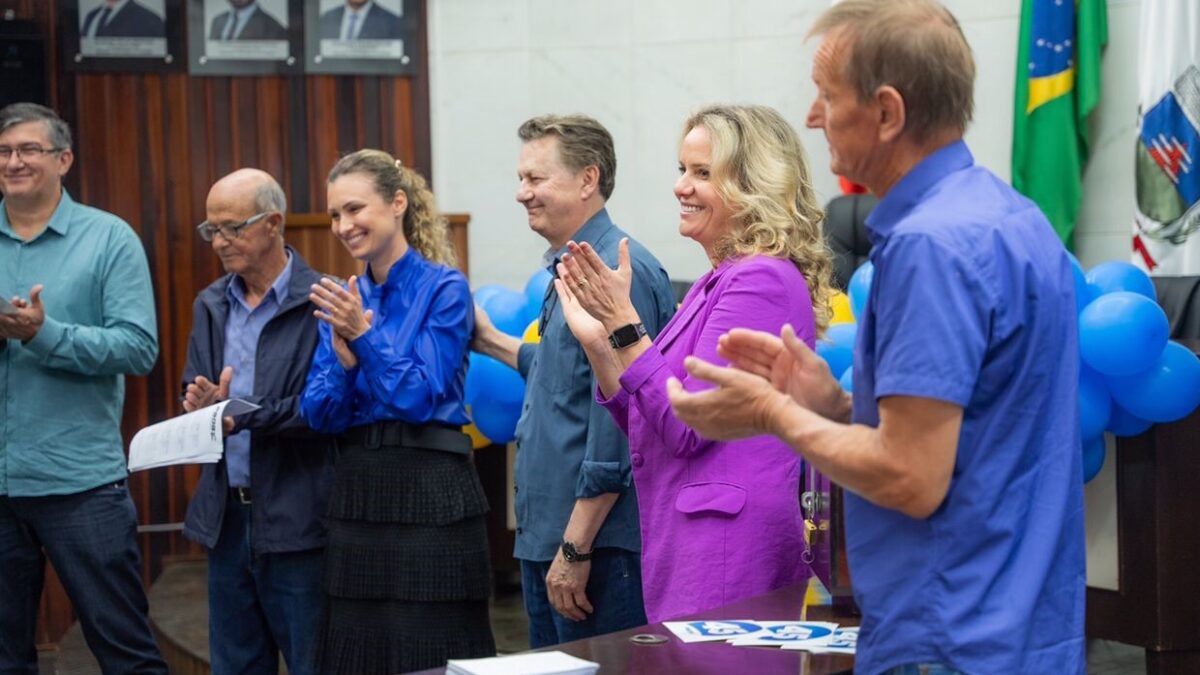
(208, 231)
(26, 151)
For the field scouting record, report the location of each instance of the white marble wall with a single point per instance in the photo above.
(640, 65)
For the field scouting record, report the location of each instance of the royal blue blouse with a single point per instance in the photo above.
(412, 362)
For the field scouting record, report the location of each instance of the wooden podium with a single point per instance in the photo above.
(1157, 605)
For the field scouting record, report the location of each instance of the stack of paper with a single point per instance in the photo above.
(195, 438)
(541, 663)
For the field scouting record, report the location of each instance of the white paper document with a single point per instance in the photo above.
(713, 631)
(7, 307)
(193, 438)
(798, 634)
(843, 641)
(541, 663)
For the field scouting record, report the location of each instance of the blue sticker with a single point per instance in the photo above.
(723, 628)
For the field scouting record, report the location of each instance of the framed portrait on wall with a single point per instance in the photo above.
(361, 37)
(244, 37)
(116, 35)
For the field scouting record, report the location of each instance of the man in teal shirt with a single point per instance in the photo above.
(81, 315)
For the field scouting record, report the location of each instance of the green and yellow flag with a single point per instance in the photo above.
(1058, 84)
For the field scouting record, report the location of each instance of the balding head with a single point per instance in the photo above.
(235, 199)
(253, 188)
(915, 46)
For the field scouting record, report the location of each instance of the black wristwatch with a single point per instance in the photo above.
(571, 555)
(626, 335)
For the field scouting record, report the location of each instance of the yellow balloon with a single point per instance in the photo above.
(532, 335)
(478, 440)
(841, 309)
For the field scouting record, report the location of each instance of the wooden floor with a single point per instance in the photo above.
(179, 612)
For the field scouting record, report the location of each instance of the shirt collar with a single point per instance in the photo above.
(117, 7)
(245, 12)
(909, 190)
(60, 220)
(592, 232)
(279, 287)
(400, 269)
(361, 11)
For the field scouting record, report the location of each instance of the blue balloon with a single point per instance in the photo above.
(837, 347)
(1095, 403)
(1084, 293)
(860, 288)
(486, 292)
(490, 380)
(1118, 275)
(535, 291)
(1123, 423)
(1122, 333)
(1168, 391)
(1093, 457)
(506, 309)
(847, 380)
(496, 419)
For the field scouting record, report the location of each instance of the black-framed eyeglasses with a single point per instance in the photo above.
(208, 231)
(549, 299)
(26, 151)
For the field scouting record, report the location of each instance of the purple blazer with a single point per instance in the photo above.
(721, 521)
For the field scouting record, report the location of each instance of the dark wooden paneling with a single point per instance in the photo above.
(148, 147)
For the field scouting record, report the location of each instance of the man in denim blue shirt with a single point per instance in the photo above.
(578, 535)
(959, 449)
(84, 318)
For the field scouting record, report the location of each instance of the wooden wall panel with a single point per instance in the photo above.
(148, 146)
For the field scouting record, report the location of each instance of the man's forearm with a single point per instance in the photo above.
(587, 517)
(498, 345)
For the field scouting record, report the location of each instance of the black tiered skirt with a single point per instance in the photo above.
(407, 574)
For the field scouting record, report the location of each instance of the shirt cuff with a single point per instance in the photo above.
(642, 369)
(365, 349)
(47, 337)
(597, 478)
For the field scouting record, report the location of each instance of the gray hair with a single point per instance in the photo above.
(269, 197)
(20, 113)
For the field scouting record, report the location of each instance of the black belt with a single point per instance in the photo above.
(403, 434)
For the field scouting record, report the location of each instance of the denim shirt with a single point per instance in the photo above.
(62, 393)
(568, 446)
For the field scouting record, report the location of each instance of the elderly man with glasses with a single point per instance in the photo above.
(79, 316)
(258, 510)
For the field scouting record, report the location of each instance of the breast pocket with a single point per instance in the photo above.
(563, 366)
(711, 498)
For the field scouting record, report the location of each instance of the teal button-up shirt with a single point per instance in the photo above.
(61, 395)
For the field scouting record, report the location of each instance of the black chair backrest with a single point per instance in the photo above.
(846, 233)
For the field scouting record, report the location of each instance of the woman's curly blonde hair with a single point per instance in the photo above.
(761, 173)
(424, 227)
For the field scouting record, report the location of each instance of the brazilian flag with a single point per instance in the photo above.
(1058, 84)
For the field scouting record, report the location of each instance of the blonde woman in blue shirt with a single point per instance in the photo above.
(407, 571)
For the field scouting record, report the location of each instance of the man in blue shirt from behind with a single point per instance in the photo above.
(84, 317)
(959, 449)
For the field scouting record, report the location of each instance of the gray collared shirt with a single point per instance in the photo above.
(568, 447)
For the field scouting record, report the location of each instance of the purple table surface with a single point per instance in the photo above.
(616, 654)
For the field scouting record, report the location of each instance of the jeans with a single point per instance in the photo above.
(91, 539)
(260, 604)
(922, 669)
(614, 588)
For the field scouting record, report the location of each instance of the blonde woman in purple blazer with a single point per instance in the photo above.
(721, 521)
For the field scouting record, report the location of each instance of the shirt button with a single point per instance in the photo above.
(519, 530)
(636, 459)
